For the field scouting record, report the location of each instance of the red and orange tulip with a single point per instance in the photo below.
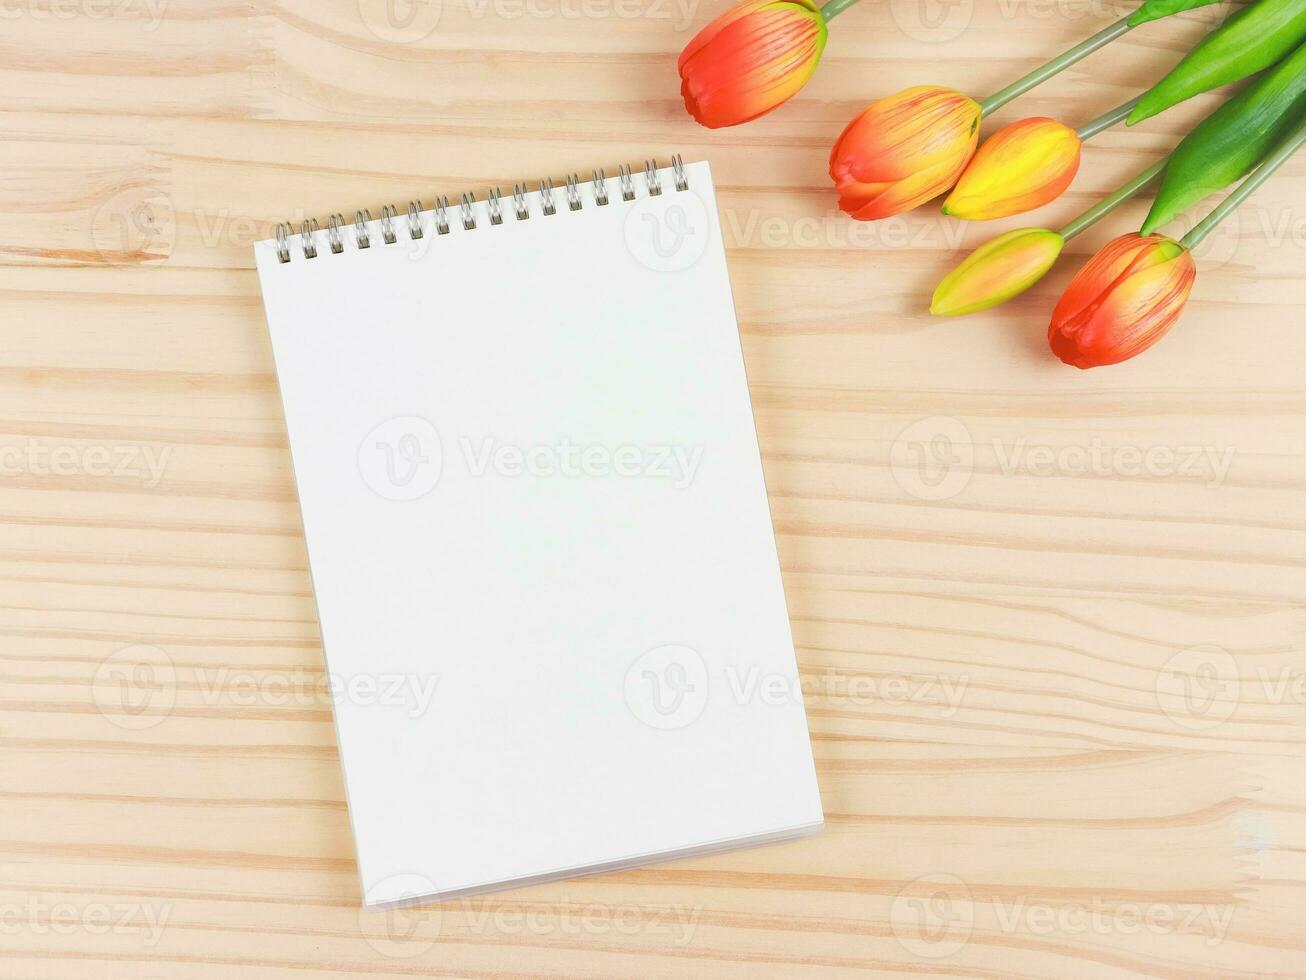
(1123, 301)
(904, 150)
(751, 59)
(1020, 167)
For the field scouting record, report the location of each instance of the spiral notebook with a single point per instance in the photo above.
(538, 534)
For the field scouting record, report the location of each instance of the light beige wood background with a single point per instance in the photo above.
(1055, 677)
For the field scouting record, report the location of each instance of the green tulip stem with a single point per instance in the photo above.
(834, 8)
(1060, 63)
(1245, 190)
(1107, 120)
(1109, 204)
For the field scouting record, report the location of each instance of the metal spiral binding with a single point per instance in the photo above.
(573, 189)
(333, 233)
(678, 173)
(306, 231)
(387, 224)
(651, 178)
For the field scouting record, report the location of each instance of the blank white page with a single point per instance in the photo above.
(539, 539)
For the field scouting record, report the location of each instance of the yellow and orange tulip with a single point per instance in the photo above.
(1020, 167)
(1123, 301)
(997, 271)
(751, 59)
(904, 150)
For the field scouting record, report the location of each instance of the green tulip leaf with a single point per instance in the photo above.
(1156, 9)
(1233, 140)
(1251, 40)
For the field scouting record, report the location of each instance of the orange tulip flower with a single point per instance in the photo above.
(904, 150)
(750, 60)
(1123, 301)
(1020, 167)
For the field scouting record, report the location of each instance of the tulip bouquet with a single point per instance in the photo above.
(923, 143)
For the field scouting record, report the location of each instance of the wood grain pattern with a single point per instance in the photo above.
(1055, 677)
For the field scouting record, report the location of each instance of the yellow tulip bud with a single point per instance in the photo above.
(997, 271)
(1020, 167)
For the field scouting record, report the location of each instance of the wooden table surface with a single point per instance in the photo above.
(1049, 623)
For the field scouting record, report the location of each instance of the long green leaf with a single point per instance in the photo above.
(1230, 142)
(1156, 9)
(1251, 40)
